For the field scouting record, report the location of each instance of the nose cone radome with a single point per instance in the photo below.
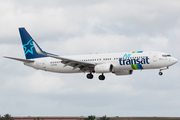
(174, 61)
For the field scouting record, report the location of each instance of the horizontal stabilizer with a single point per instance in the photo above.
(18, 59)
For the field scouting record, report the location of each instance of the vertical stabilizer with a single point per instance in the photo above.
(27, 42)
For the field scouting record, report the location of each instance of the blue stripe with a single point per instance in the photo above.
(139, 66)
(139, 51)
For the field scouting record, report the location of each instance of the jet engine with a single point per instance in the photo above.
(103, 68)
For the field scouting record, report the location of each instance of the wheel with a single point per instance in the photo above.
(160, 73)
(89, 76)
(101, 77)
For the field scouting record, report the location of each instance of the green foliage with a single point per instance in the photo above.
(104, 118)
(92, 117)
(6, 117)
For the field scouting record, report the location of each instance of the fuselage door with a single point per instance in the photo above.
(44, 64)
(155, 57)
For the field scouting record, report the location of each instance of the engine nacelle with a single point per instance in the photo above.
(103, 68)
(123, 72)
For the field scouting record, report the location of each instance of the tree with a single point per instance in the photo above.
(6, 117)
(92, 117)
(104, 118)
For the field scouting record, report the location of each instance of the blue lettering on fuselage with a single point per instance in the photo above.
(127, 55)
(134, 61)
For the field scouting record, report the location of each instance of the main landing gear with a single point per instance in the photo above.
(101, 77)
(90, 76)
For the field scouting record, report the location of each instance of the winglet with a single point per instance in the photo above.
(41, 52)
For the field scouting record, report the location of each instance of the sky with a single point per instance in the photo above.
(69, 27)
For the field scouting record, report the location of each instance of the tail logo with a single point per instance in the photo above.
(28, 47)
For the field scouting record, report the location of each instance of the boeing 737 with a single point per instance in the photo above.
(122, 63)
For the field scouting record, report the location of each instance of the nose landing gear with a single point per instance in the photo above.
(160, 73)
(165, 68)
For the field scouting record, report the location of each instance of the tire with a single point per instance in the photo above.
(160, 73)
(101, 77)
(89, 76)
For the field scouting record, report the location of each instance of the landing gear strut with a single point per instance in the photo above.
(90, 76)
(101, 77)
(165, 68)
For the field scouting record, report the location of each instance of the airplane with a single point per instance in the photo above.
(123, 63)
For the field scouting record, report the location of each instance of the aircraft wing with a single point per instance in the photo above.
(18, 59)
(67, 61)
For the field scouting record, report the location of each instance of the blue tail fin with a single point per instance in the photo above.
(28, 46)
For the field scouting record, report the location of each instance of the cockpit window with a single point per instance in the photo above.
(166, 55)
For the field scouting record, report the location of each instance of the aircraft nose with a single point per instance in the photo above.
(174, 60)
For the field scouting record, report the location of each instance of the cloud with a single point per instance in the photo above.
(160, 40)
(81, 27)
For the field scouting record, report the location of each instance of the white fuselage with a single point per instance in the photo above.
(120, 61)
